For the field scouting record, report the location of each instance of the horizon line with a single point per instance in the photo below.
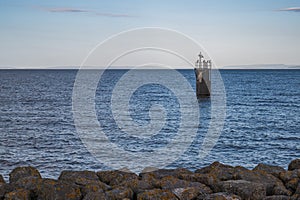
(242, 66)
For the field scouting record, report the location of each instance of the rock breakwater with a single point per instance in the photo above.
(214, 182)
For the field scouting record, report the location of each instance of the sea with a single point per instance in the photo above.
(37, 126)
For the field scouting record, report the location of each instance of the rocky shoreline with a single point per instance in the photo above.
(214, 182)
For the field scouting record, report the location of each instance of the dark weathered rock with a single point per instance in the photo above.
(211, 167)
(157, 194)
(295, 197)
(138, 186)
(170, 182)
(19, 194)
(50, 189)
(1, 179)
(119, 193)
(281, 190)
(292, 184)
(218, 172)
(219, 196)
(73, 176)
(298, 189)
(273, 185)
(188, 193)
(286, 176)
(277, 197)
(290, 179)
(214, 173)
(184, 189)
(115, 177)
(28, 183)
(223, 174)
(93, 186)
(95, 196)
(5, 188)
(245, 189)
(160, 173)
(151, 180)
(88, 181)
(270, 169)
(22, 172)
(295, 164)
(210, 180)
(227, 182)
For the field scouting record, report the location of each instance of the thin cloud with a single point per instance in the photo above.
(66, 10)
(291, 9)
(60, 9)
(75, 10)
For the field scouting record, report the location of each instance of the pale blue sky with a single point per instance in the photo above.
(38, 33)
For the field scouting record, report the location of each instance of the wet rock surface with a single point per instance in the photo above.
(213, 182)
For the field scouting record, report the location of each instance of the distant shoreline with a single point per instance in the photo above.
(222, 69)
(228, 67)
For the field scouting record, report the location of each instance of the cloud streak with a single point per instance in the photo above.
(291, 9)
(75, 10)
(72, 10)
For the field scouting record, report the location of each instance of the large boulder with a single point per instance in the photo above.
(270, 169)
(93, 186)
(273, 185)
(138, 186)
(292, 184)
(115, 177)
(119, 193)
(157, 194)
(217, 172)
(88, 181)
(219, 196)
(50, 189)
(22, 172)
(210, 180)
(19, 194)
(1, 179)
(170, 182)
(214, 173)
(298, 189)
(5, 188)
(74, 176)
(22, 187)
(160, 173)
(188, 193)
(27, 183)
(290, 179)
(286, 176)
(95, 196)
(277, 197)
(295, 197)
(151, 180)
(295, 164)
(245, 189)
(214, 165)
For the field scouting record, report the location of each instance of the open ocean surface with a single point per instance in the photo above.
(37, 126)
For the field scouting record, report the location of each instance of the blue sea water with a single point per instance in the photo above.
(37, 126)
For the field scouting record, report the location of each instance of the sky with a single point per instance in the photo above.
(39, 34)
